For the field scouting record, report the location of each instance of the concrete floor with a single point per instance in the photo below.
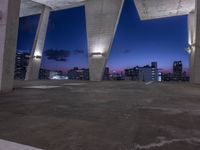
(66, 115)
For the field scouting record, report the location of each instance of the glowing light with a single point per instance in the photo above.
(37, 55)
(96, 54)
(189, 49)
(98, 48)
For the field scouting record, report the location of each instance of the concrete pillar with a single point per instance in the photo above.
(38, 46)
(9, 21)
(101, 18)
(194, 43)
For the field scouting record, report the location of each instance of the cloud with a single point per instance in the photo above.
(78, 52)
(57, 55)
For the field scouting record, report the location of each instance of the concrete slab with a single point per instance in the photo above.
(32, 7)
(106, 115)
(152, 9)
(148, 9)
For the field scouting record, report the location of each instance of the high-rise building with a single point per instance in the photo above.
(177, 70)
(44, 74)
(154, 64)
(167, 76)
(21, 63)
(106, 75)
(154, 71)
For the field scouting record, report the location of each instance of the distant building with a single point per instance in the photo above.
(106, 75)
(167, 76)
(83, 74)
(44, 74)
(21, 63)
(146, 73)
(177, 75)
(185, 77)
(154, 71)
(132, 74)
(177, 70)
(78, 74)
(116, 76)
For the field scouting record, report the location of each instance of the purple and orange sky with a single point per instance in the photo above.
(136, 42)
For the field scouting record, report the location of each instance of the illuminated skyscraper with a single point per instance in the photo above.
(177, 70)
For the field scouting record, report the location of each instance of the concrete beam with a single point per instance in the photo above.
(38, 46)
(102, 18)
(9, 21)
(194, 43)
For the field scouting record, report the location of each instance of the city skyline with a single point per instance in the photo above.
(136, 42)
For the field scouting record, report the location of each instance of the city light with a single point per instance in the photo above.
(97, 54)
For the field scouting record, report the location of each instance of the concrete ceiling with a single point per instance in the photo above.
(32, 7)
(147, 9)
(152, 9)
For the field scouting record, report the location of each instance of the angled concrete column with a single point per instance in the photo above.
(38, 46)
(194, 43)
(101, 18)
(9, 20)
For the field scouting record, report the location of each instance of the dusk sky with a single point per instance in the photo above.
(136, 42)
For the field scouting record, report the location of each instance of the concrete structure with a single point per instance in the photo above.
(37, 50)
(9, 16)
(100, 29)
(152, 9)
(102, 18)
(194, 43)
(32, 7)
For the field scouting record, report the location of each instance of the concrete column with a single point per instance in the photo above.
(101, 18)
(9, 21)
(194, 43)
(38, 46)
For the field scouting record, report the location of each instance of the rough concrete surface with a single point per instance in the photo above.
(68, 115)
(147, 9)
(153, 9)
